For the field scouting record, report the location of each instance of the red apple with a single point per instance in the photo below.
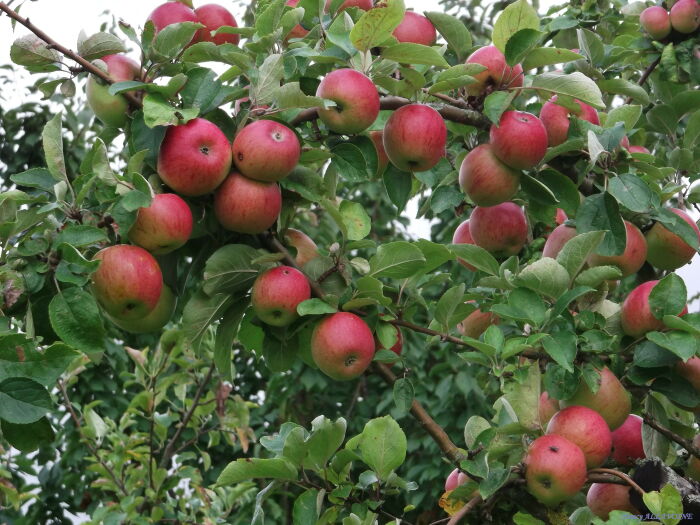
(557, 239)
(153, 321)
(276, 294)
(632, 259)
(112, 109)
(163, 226)
(476, 323)
(636, 317)
(415, 28)
(519, 140)
(666, 250)
(547, 407)
(214, 16)
(485, 179)
(342, 346)
(586, 429)
(656, 22)
(362, 4)
(266, 150)
(306, 248)
(356, 98)
(247, 206)
(500, 229)
(411, 151)
(497, 74)
(171, 13)
(638, 149)
(555, 469)
(603, 498)
(685, 16)
(627, 441)
(462, 235)
(556, 119)
(611, 400)
(455, 479)
(128, 282)
(377, 137)
(194, 158)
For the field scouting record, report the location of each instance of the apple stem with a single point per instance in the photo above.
(620, 475)
(688, 445)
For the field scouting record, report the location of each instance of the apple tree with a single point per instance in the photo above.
(215, 308)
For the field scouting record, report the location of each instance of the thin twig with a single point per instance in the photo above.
(454, 520)
(620, 475)
(670, 434)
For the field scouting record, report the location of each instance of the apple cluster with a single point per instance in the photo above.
(684, 18)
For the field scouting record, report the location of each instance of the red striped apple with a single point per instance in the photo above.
(632, 259)
(163, 226)
(665, 249)
(409, 150)
(214, 16)
(415, 28)
(500, 229)
(556, 119)
(685, 16)
(112, 109)
(266, 150)
(497, 74)
(485, 179)
(519, 140)
(247, 206)
(636, 317)
(356, 98)
(611, 400)
(627, 441)
(557, 239)
(171, 13)
(656, 21)
(153, 321)
(603, 498)
(276, 294)
(585, 428)
(342, 346)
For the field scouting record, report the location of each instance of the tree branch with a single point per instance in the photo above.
(65, 51)
(670, 434)
(461, 513)
(620, 475)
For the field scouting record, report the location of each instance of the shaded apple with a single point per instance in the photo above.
(519, 140)
(546, 408)
(636, 317)
(276, 294)
(556, 119)
(112, 109)
(603, 498)
(627, 441)
(685, 16)
(500, 229)
(356, 98)
(557, 239)
(214, 16)
(266, 150)
(409, 150)
(611, 400)
(476, 323)
(155, 320)
(194, 158)
(462, 235)
(342, 346)
(163, 226)
(377, 137)
(247, 206)
(665, 249)
(632, 259)
(306, 248)
(415, 28)
(656, 21)
(485, 179)
(497, 74)
(586, 429)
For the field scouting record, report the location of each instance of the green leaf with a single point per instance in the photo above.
(403, 394)
(447, 304)
(357, 223)
(44, 367)
(99, 45)
(633, 193)
(520, 44)
(666, 504)
(620, 86)
(29, 437)
(75, 318)
(383, 446)
(683, 344)
(31, 51)
(655, 444)
(398, 186)
(546, 277)
(315, 306)
(268, 20)
(576, 85)
(172, 40)
(200, 312)
(561, 346)
(23, 401)
(80, 235)
(537, 190)
(476, 256)
(326, 438)
(306, 508)
(202, 90)
(568, 297)
(396, 260)
(593, 277)
(280, 354)
(290, 95)
(668, 296)
(524, 397)
(628, 114)
(158, 112)
(600, 212)
(230, 269)
(376, 25)
(225, 336)
(577, 250)
(497, 103)
(453, 31)
(410, 53)
(518, 15)
(495, 479)
(245, 469)
(52, 139)
(678, 226)
(547, 56)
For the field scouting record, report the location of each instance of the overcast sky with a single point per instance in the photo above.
(63, 21)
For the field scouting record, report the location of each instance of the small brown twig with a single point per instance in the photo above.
(461, 513)
(670, 434)
(620, 475)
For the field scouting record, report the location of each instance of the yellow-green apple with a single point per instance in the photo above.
(497, 74)
(485, 179)
(128, 282)
(638, 149)
(476, 323)
(112, 109)
(356, 99)
(632, 259)
(462, 235)
(306, 248)
(194, 158)
(276, 294)
(163, 226)
(555, 469)
(266, 150)
(665, 249)
(586, 429)
(519, 140)
(611, 400)
(342, 346)
(547, 407)
(557, 239)
(155, 319)
(214, 16)
(636, 317)
(603, 498)
(247, 206)
(409, 150)
(656, 22)
(627, 441)
(693, 469)
(377, 137)
(171, 13)
(500, 229)
(685, 16)
(362, 4)
(556, 119)
(298, 30)
(416, 29)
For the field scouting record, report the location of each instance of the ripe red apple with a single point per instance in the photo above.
(519, 140)
(666, 250)
(556, 119)
(356, 98)
(585, 428)
(411, 151)
(547, 407)
(611, 400)
(603, 498)
(455, 479)
(638, 149)
(685, 16)
(555, 469)
(557, 239)
(163, 226)
(636, 317)
(476, 323)
(462, 235)
(500, 229)
(415, 28)
(128, 282)
(627, 441)
(306, 248)
(497, 74)
(485, 179)
(632, 259)
(112, 109)
(377, 137)
(656, 22)
(171, 13)
(693, 470)
(276, 294)
(214, 16)
(397, 347)
(266, 150)
(194, 158)
(247, 206)
(362, 4)
(298, 30)
(342, 346)
(153, 321)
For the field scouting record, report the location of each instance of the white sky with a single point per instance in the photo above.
(63, 21)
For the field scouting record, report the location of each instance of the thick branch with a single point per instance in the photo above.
(52, 44)
(670, 434)
(620, 475)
